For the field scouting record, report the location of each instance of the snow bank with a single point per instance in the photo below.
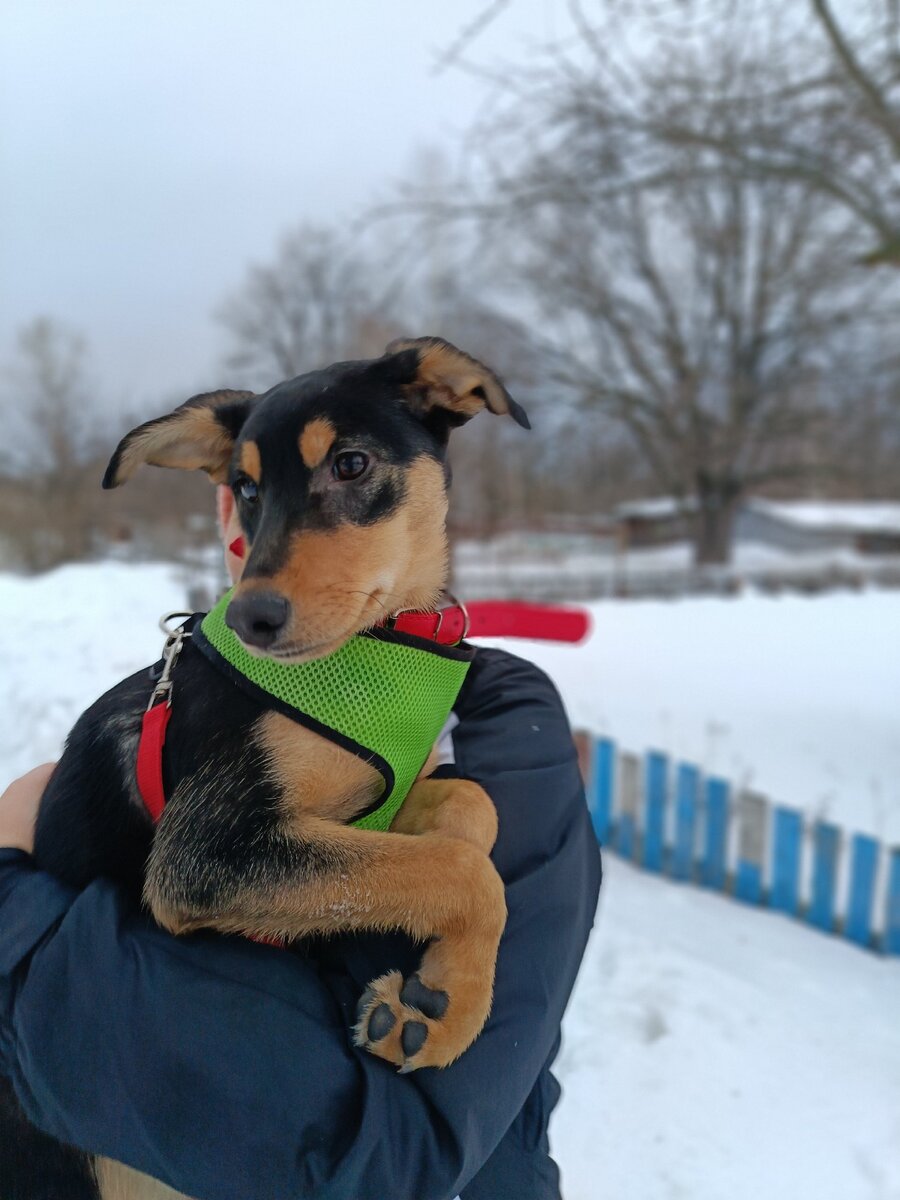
(834, 515)
(712, 1050)
(65, 638)
(795, 696)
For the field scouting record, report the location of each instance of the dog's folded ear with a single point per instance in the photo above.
(441, 376)
(198, 436)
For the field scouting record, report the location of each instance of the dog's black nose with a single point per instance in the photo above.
(258, 618)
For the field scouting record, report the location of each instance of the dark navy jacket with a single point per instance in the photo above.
(225, 1068)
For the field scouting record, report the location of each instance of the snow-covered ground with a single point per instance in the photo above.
(65, 638)
(710, 1050)
(714, 1051)
(794, 696)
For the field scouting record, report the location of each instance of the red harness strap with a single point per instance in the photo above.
(150, 758)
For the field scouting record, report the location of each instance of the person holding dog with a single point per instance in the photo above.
(225, 1068)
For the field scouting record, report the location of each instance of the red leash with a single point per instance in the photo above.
(495, 618)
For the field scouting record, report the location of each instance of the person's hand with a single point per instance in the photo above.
(19, 808)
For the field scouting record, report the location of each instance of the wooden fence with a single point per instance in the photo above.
(670, 818)
(551, 581)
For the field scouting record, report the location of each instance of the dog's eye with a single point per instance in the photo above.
(349, 465)
(248, 489)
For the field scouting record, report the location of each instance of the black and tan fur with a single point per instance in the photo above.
(254, 838)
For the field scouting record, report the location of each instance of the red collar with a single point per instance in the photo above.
(494, 618)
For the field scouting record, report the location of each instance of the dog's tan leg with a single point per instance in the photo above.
(448, 990)
(456, 807)
(332, 878)
(118, 1182)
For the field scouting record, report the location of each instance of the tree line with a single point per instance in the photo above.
(676, 235)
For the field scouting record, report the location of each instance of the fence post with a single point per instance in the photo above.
(629, 804)
(826, 850)
(863, 868)
(687, 787)
(713, 869)
(752, 810)
(635, 820)
(892, 906)
(602, 789)
(786, 861)
(656, 772)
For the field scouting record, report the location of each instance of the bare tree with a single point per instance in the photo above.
(316, 302)
(860, 435)
(844, 133)
(821, 105)
(48, 470)
(698, 303)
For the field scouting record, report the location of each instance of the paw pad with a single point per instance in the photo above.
(381, 1022)
(413, 1037)
(429, 1001)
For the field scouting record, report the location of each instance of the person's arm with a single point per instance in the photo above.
(19, 808)
(225, 1068)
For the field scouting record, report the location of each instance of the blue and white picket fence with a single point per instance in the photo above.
(672, 819)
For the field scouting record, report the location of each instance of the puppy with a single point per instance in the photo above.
(274, 822)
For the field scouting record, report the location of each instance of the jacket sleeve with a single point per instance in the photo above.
(225, 1068)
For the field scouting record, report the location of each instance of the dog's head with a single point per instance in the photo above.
(340, 482)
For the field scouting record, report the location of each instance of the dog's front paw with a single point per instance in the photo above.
(412, 1025)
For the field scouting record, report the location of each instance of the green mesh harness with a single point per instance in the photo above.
(383, 695)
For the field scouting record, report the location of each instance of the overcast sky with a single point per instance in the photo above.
(151, 150)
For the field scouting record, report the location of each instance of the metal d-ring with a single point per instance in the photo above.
(170, 616)
(467, 620)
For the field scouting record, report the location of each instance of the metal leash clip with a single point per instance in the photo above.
(175, 639)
